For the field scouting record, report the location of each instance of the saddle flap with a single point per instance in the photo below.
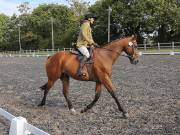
(77, 52)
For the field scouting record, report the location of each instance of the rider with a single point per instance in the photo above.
(85, 39)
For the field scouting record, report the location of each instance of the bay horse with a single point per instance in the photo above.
(63, 65)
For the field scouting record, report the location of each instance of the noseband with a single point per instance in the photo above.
(133, 46)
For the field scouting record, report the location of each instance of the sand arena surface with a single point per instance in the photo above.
(149, 91)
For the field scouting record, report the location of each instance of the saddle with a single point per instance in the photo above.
(80, 55)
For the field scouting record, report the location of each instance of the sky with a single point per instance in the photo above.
(8, 7)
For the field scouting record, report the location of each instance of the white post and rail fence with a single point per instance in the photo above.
(171, 48)
(20, 126)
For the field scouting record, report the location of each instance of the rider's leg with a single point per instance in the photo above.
(84, 51)
(86, 55)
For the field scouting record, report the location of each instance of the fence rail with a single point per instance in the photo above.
(19, 125)
(154, 48)
(160, 47)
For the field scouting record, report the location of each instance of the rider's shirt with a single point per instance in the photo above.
(85, 35)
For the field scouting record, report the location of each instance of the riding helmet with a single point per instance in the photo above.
(90, 15)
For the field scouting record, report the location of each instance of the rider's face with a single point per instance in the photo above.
(91, 20)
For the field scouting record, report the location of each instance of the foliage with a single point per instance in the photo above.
(60, 16)
(79, 7)
(151, 20)
(157, 18)
(24, 8)
(3, 27)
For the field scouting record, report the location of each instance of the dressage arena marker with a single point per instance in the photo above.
(19, 125)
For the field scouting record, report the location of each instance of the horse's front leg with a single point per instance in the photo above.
(97, 95)
(65, 81)
(109, 86)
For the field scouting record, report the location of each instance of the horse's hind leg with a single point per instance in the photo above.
(109, 86)
(65, 82)
(97, 95)
(46, 87)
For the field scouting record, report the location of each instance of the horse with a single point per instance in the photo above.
(63, 65)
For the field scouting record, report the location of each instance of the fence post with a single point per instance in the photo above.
(173, 46)
(145, 47)
(17, 126)
(20, 126)
(158, 46)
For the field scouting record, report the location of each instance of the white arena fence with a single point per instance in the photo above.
(20, 126)
(172, 48)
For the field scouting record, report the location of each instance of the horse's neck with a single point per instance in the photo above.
(115, 49)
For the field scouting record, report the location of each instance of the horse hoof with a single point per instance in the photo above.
(40, 105)
(82, 111)
(125, 115)
(73, 111)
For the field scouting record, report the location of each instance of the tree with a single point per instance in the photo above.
(3, 28)
(100, 26)
(79, 7)
(63, 20)
(11, 34)
(3, 25)
(29, 39)
(159, 18)
(155, 19)
(24, 8)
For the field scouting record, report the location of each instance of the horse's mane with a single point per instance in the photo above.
(114, 41)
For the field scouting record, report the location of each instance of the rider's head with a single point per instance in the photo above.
(90, 17)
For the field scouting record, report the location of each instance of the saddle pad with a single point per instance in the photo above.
(75, 52)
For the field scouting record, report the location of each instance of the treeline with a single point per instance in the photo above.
(151, 20)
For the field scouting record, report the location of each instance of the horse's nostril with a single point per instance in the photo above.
(136, 61)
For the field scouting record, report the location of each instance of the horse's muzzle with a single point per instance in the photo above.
(134, 61)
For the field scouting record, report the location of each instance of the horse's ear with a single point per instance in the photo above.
(134, 37)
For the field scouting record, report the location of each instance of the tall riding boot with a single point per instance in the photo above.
(82, 62)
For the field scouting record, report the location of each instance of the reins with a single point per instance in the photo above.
(125, 55)
(111, 50)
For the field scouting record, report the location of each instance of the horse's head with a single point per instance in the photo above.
(131, 50)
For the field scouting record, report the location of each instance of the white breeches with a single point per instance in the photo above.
(84, 51)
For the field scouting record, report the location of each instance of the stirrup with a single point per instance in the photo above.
(83, 74)
(89, 61)
(80, 73)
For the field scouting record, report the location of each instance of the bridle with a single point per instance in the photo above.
(130, 45)
(111, 50)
